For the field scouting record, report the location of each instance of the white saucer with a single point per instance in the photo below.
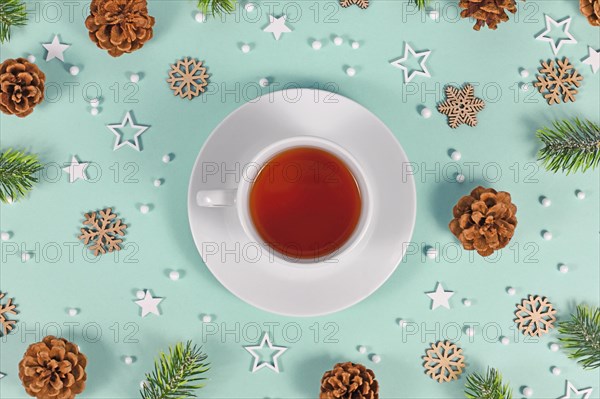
(267, 282)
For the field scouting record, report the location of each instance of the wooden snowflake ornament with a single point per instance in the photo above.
(5, 309)
(188, 78)
(535, 316)
(461, 106)
(444, 361)
(558, 78)
(104, 231)
(361, 3)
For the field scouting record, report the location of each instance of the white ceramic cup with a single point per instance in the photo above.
(239, 197)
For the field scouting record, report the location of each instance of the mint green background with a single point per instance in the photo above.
(104, 290)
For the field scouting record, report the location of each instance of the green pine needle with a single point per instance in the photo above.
(570, 145)
(581, 336)
(176, 375)
(488, 386)
(216, 7)
(17, 173)
(12, 13)
(421, 4)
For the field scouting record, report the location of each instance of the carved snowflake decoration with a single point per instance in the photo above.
(361, 3)
(5, 309)
(558, 78)
(188, 78)
(104, 231)
(461, 106)
(444, 361)
(535, 316)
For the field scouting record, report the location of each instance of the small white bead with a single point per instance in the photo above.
(376, 358)
(73, 312)
(563, 268)
(264, 82)
(174, 275)
(505, 341)
(25, 256)
(524, 73)
(245, 48)
(547, 235)
(456, 155)
(511, 291)
(74, 70)
(94, 102)
(140, 294)
(31, 58)
(128, 360)
(431, 253)
(157, 183)
(143, 384)
(467, 302)
(206, 318)
(338, 41)
(580, 194)
(546, 202)
(460, 178)
(525, 86)
(166, 158)
(470, 331)
(362, 349)
(350, 71)
(134, 78)
(554, 347)
(5, 236)
(555, 370)
(528, 392)
(433, 15)
(355, 45)
(249, 7)
(316, 45)
(9, 199)
(426, 113)
(144, 209)
(402, 323)
(94, 111)
(200, 17)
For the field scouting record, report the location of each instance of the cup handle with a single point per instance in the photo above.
(216, 198)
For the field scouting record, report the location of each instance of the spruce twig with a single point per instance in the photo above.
(488, 386)
(17, 174)
(12, 13)
(570, 145)
(176, 375)
(421, 4)
(581, 336)
(216, 7)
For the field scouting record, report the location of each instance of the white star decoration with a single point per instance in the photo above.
(76, 170)
(409, 75)
(556, 45)
(593, 59)
(277, 26)
(587, 392)
(128, 121)
(149, 304)
(2, 375)
(258, 362)
(55, 49)
(440, 297)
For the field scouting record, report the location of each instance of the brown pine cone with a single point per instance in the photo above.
(591, 9)
(53, 369)
(21, 87)
(490, 12)
(349, 381)
(119, 26)
(485, 220)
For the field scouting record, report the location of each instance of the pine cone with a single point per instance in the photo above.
(484, 221)
(119, 26)
(591, 9)
(53, 369)
(490, 12)
(21, 87)
(349, 381)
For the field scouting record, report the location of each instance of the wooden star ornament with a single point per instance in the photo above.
(361, 3)
(461, 106)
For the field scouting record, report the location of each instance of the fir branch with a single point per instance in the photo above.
(216, 7)
(17, 174)
(488, 386)
(570, 145)
(177, 374)
(12, 13)
(421, 4)
(581, 336)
